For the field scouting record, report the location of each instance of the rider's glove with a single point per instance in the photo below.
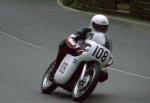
(73, 45)
(70, 42)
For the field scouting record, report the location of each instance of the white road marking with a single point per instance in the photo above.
(109, 16)
(129, 73)
(39, 47)
(17, 39)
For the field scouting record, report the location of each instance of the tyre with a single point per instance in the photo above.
(47, 86)
(83, 88)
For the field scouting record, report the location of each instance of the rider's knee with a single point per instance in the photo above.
(103, 76)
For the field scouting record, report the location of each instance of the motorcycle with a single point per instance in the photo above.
(78, 74)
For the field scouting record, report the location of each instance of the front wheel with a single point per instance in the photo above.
(47, 86)
(83, 88)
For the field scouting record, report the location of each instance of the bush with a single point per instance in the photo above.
(67, 2)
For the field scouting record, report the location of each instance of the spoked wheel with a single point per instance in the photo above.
(47, 86)
(84, 88)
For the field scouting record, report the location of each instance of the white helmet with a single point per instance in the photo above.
(99, 23)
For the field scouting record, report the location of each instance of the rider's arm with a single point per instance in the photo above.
(80, 34)
(108, 43)
(109, 46)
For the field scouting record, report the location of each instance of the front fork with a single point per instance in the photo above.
(83, 81)
(83, 71)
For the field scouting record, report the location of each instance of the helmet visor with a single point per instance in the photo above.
(99, 28)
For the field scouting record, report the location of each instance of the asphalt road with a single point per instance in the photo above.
(30, 31)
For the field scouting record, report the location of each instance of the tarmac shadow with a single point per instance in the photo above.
(98, 98)
(60, 94)
(93, 98)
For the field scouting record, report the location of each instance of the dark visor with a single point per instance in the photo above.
(100, 28)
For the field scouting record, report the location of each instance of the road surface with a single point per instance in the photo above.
(30, 31)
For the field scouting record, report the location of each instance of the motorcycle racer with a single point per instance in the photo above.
(96, 32)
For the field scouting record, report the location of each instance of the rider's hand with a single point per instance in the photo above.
(74, 46)
(70, 43)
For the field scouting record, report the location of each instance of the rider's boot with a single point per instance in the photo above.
(103, 75)
(60, 56)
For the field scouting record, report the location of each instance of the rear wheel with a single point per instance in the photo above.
(47, 86)
(83, 88)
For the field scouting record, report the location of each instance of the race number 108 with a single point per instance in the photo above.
(100, 53)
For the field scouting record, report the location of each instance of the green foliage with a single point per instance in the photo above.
(75, 4)
(67, 2)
